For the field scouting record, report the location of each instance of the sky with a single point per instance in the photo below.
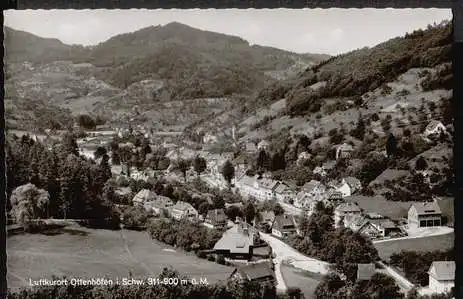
(328, 31)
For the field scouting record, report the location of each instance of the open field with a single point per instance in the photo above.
(304, 280)
(86, 253)
(431, 243)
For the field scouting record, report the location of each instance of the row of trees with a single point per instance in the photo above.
(341, 247)
(416, 265)
(75, 185)
(184, 234)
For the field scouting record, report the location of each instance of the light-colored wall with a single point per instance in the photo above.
(440, 286)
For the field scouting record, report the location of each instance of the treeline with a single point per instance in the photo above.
(341, 247)
(367, 69)
(75, 185)
(190, 236)
(416, 264)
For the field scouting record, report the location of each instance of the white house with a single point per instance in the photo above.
(182, 210)
(434, 128)
(302, 157)
(343, 187)
(310, 192)
(263, 145)
(263, 189)
(344, 151)
(354, 183)
(442, 276)
(143, 196)
(424, 214)
(345, 209)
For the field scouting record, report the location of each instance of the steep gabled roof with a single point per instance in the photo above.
(256, 271)
(443, 270)
(424, 208)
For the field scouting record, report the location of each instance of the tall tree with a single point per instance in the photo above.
(228, 171)
(28, 203)
(391, 145)
(199, 165)
(70, 144)
(183, 166)
(249, 212)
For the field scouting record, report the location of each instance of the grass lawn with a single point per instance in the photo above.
(87, 253)
(431, 243)
(304, 280)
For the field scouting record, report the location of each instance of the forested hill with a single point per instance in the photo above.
(166, 63)
(353, 74)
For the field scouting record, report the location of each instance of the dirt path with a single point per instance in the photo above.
(127, 249)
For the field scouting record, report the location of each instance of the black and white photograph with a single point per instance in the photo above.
(229, 153)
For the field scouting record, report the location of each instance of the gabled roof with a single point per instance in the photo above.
(310, 186)
(348, 207)
(267, 216)
(268, 183)
(352, 181)
(443, 270)
(433, 124)
(256, 271)
(424, 208)
(365, 271)
(162, 202)
(144, 195)
(183, 206)
(282, 221)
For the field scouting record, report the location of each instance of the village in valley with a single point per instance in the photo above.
(319, 207)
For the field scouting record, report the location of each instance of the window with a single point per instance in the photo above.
(436, 222)
(429, 223)
(423, 223)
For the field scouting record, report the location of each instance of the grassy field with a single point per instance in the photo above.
(87, 253)
(304, 280)
(431, 243)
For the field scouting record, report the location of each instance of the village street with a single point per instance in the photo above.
(285, 253)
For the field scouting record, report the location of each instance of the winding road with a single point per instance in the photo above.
(286, 254)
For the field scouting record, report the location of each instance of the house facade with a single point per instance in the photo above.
(434, 128)
(183, 210)
(345, 209)
(426, 214)
(284, 226)
(442, 276)
(344, 151)
(143, 196)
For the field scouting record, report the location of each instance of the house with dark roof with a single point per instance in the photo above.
(216, 219)
(256, 272)
(442, 276)
(284, 226)
(365, 271)
(424, 214)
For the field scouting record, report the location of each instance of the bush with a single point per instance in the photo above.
(220, 259)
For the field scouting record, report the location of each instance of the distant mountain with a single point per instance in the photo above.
(181, 63)
(22, 46)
